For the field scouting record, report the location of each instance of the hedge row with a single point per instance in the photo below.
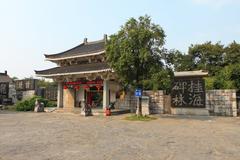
(29, 104)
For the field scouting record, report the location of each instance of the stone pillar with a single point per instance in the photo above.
(145, 106)
(105, 93)
(60, 95)
(234, 103)
(68, 99)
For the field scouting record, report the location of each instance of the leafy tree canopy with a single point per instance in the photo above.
(137, 55)
(134, 52)
(232, 53)
(45, 84)
(207, 56)
(222, 63)
(178, 61)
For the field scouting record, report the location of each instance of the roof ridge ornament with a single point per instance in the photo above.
(85, 41)
(105, 38)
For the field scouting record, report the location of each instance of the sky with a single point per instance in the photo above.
(31, 28)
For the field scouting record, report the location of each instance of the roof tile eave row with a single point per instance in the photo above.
(92, 67)
(82, 49)
(77, 55)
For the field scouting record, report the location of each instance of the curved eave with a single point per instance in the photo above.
(73, 73)
(76, 56)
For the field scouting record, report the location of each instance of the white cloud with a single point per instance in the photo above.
(216, 3)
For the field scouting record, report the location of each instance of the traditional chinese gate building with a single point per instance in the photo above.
(83, 76)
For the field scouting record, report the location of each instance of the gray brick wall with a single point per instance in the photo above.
(218, 102)
(156, 101)
(221, 102)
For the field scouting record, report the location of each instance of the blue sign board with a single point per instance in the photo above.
(138, 93)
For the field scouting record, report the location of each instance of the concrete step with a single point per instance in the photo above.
(95, 111)
(62, 110)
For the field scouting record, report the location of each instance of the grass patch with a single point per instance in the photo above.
(135, 117)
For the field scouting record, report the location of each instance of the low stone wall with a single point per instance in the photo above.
(218, 102)
(156, 101)
(167, 104)
(221, 102)
(129, 102)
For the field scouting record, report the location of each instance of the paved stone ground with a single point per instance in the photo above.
(61, 136)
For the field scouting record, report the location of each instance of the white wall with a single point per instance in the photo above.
(114, 88)
(80, 96)
(112, 96)
(12, 92)
(28, 94)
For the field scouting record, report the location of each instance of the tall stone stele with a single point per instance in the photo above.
(188, 93)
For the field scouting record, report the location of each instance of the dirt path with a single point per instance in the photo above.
(56, 136)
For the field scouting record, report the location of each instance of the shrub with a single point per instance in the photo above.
(209, 82)
(51, 104)
(29, 104)
(235, 76)
(223, 79)
(24, 106)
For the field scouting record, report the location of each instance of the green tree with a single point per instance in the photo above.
(134, 52)
(226, 78)
(161, 79)
(223, 79)
(14, 78)
(209, 82)
(235, 75)
(232, 53)
(178, 61)
(45, 84)
(207, 56)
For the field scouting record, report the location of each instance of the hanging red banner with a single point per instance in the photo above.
(84, 82)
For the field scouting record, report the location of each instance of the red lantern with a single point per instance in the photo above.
(98, 87)
(65, 87)
(86, 87)
(77, 87)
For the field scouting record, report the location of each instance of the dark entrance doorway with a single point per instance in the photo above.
(94, 97)
(4, 89)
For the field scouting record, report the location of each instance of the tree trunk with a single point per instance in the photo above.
(139, 99)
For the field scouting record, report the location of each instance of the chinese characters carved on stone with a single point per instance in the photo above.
(188, 93)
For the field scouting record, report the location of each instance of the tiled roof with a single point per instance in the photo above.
(80, 50)
(75, 69)
(5, 78)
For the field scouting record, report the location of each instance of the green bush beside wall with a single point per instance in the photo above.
(29, 104)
